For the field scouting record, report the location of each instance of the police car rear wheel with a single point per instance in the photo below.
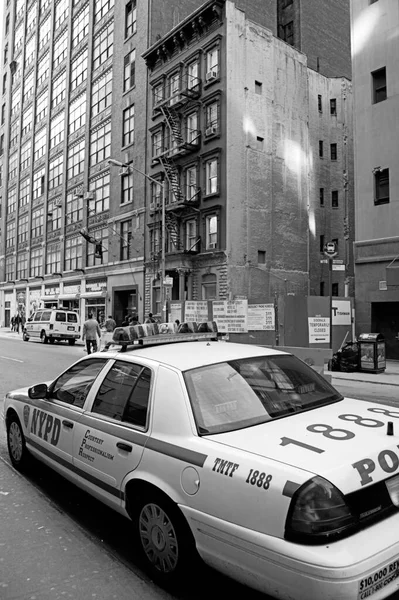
(165, 540)
(43, 338)
(16, 443)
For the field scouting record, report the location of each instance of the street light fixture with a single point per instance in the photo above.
(129, 167)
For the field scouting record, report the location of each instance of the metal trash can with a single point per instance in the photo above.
(371, 353)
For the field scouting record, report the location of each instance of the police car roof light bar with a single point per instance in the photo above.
(136, 336)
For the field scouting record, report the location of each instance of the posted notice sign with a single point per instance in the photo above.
(196, 310)
(319, 330)
(261, 317)
(231, 316)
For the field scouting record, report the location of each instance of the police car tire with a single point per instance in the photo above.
(43, 338)
(71, 342)
(51, 340)
(16, 443)
(166, 518)
(25, 337)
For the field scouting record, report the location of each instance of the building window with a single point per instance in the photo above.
(38, 183)
(97, 254)
(10, 235)
(37, 227)
(129, 70)
(101, 96)
(320, 103)
(53, 259)
(24, 192)
(334, 289)
(30, 53)
(56, 172)
(101, 192)
(212, 64)
(333, 106)
(261, 257)
(379, 85)
(212, 118)
(44, 4)
(191, 183)
(28, 87)
(192, 133)
(156, 144)
(74, 207)
(191, 237)
(41, 106)
(128, 126)
(36, 262)
(16, 102)
(211, 175)
(80, 26)
(26, 155)
(155, 243)
(10, 267)
(40, 144)
(157, 94)
(126, 239)
(127, 188)
(23, 223)
(11, 200)
(287, 33)
(2, 144)
(22, 265)
(333, 151)
(100, 144)
(4, 83)
(259, 143)
(3, 114)
(103, 45)
(321, 149)
(334, 199)
(209, 286)
(43, 69)
(58, 92)
(27, 121)
(258, 88)
(156, 298)
(322, 288)
(130, 18)
(76, 159)
(156, 194)
(381, 185)
(61, 12)
(13, 166)
(77, 113)
(14, 133)
(322, 243)
(321, 196)
(57, 130)
(192, 75)
(211, 232)
(73, 253)
(79, 70)
(18, 38)
(174, 88)
(44, 32)
(60, 49)
(101, 8)
(54, 213)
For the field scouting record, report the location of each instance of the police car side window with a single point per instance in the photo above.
(37, 316)
(60, 316)
(123, 395)
(72, 318)
(74, 385)
(46, 314)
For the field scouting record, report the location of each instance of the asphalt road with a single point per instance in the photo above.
(95, 528)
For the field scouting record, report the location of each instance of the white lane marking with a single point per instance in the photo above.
(14, 359)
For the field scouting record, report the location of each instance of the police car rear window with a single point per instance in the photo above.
(60, 316)
(241, 393)
(72, 318)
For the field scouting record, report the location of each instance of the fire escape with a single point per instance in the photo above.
(178, 203)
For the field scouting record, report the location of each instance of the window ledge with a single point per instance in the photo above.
(129, 90)
(213, 195)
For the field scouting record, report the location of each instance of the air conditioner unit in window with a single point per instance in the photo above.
(211, 245)
(57, 201)
(211, 75)
(89, 196)
(211, 130)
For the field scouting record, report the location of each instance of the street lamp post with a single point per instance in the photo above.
(128, 168)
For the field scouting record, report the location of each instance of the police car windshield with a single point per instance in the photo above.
(236, 394)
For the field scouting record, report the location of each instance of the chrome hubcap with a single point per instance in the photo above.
(15, 441)
(158, 538)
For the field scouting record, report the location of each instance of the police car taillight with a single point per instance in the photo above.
(318, 514)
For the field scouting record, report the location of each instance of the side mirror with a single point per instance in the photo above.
(38, 391)
(30, 319)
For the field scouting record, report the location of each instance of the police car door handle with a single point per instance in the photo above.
(125, 447)
(67, 424)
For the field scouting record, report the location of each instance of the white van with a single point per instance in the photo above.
(48, 325)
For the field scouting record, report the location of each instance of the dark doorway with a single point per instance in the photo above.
(385, 320)
(125, 303)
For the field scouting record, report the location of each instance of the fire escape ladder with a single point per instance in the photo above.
(172, 118)
(172, 226)
(172, 177)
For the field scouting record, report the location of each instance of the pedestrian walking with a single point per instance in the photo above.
(12, 323)
(110, 324)
(91, 330)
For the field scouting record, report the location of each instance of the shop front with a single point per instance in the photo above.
(51, 294)
(69, 299)
(9, 309)
(34, 302)
(95, 296)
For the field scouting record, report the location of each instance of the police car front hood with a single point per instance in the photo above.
(345, 442)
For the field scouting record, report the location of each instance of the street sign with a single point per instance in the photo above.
(338, 261)
(330, 249)
(319, 330)
(338, 267)
(168, 281)
(324, 260)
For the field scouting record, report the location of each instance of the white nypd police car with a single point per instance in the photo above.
(242, 455)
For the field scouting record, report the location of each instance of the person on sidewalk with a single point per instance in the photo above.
(150, 318)
(91, 330)
(110, 324)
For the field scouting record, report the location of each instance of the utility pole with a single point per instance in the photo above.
(330, 251)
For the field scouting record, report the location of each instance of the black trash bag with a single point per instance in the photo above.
(346, 359)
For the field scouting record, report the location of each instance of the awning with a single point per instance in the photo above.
(93, 295)
(49, 298)
(68, 296)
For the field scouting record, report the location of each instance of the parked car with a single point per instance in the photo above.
(241, 455)
(49, 325)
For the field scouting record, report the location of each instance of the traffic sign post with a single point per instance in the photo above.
(330, 251)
